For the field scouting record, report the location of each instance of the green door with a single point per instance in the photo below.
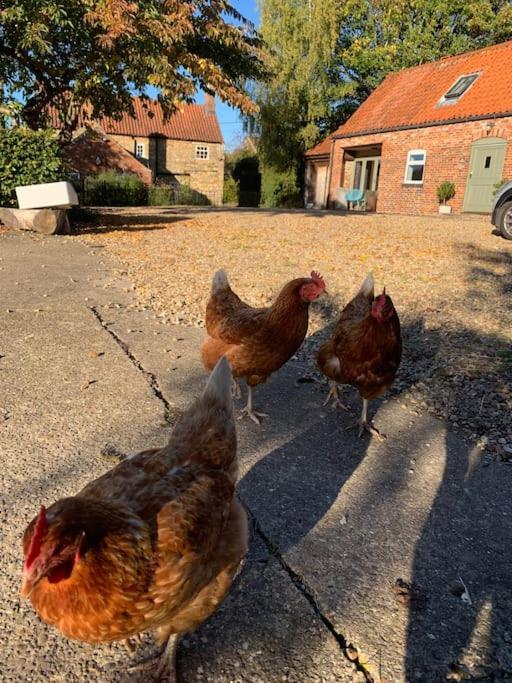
(485, 170)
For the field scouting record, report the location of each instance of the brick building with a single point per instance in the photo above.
(186, 149)
(446, 120)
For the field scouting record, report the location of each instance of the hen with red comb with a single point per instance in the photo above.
(365, 349)
(257, 341)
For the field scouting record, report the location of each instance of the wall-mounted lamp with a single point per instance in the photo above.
(489, 126)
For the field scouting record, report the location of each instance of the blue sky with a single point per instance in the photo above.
(229, 118)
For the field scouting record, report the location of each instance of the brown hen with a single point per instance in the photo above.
(257, 341)
(153, 544)
(364, 350)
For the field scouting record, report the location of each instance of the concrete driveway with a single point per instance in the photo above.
(369, 561)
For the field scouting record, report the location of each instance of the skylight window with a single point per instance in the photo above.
(460, 86)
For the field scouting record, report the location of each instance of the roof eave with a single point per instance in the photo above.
(425, 124)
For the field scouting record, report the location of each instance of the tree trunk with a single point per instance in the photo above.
(45, 221)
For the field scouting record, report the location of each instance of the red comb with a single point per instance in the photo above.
(40, 528)
(318, 279)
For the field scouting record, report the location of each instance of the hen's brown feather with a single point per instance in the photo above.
(363, 351)
(256, 341)
(164, 535)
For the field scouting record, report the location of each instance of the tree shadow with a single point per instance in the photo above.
(463, 556)
(99, 223)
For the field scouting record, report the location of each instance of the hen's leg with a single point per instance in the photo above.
(167, 662)
(364, 425)
(236, 391)
(248, 410)
(334, 394)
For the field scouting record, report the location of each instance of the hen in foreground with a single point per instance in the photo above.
(257, 341)
(365, 349)
(153, 544)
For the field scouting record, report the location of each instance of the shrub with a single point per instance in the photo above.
(160, 195)
(167, 195)
(186, 195)
(110, 188)
(280, 189)
(230, 194)
(27, 157)
(445, 191)
(499, 184)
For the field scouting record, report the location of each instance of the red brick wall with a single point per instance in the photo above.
(448, 150)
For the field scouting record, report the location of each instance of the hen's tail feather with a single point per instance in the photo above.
(368, 286)
(218, 387)
(219, 282)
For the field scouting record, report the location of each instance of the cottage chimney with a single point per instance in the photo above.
(209, 103)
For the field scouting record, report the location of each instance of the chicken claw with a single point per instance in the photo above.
(334, 393)
(252, 414)
(248, 410)
(166, 659)
(365, 426)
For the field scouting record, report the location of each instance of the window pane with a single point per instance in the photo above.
(357, 175)
(416, 172)
(368, 175)
(420, 156)
(487, 162)
(461, 86)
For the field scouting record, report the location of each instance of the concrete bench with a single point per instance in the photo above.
(42, 208)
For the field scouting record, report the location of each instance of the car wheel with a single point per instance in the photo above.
(505, 220)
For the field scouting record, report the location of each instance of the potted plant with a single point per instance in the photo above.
(445, 192)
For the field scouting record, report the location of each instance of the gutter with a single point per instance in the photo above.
(431, 124)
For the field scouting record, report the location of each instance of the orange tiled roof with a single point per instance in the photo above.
(321, 149)
(411, 97)
(192, 122)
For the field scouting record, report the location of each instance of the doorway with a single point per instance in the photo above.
(366, 174)
(485, 170)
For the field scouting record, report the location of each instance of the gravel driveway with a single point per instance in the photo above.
(450, 279)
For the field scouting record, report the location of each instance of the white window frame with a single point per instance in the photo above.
(410, 162)
(140, 146)
(202, 152)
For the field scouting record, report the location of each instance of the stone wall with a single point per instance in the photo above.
(175, 162)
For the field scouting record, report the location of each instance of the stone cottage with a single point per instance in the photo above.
(449, 120)
(186, 149)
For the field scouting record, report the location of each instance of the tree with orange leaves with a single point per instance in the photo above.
(99, 53)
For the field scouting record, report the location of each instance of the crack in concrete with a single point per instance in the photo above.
(149, 376)
(307, 593)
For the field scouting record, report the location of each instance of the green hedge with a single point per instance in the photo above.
(280, 189)
(27, 157)
(167, 195)
(110, 188)
(230, 194)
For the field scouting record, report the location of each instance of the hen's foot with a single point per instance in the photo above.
(365, 426)
(254, 415)
(334, 394)
(165, 661)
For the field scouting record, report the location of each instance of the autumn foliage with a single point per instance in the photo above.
(103, 51)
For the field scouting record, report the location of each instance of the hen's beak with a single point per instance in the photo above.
(29, 581)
